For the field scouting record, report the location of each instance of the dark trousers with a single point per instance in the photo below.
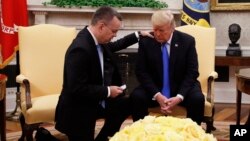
(115, 113)
(194, 103)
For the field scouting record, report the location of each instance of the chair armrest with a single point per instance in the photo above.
(20, 78)
(24, 80)
(213, 75)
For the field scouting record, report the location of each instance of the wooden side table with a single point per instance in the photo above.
(3, 80)
(232, 61)
(242, 85)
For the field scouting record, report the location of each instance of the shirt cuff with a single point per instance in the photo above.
(108, 91)
(137, 34)
(180, 96)
(154, 97)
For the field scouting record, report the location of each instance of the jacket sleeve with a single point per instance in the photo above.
(122, 43)
(190, 72)
(143, 70)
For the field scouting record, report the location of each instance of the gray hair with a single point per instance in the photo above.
(163, 17)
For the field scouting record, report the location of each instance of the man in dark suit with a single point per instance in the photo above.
(91, 81)
(184, 88)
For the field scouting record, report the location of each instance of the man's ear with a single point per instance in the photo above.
(100, 26)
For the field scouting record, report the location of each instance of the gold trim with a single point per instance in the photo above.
(10, 58)
(217, 6)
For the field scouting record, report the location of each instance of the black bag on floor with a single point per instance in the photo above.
(43, 134)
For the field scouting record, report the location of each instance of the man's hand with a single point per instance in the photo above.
(170, 104)
(146, 33)
(161, 100)
(115, 91)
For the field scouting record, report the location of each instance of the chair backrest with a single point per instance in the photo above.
(41, 52)
(205, 45)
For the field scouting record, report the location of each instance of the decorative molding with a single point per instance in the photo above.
(93, 9)
(40, 17)
(134, 18)
(40, 12)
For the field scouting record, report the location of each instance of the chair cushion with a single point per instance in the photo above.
(40, 106)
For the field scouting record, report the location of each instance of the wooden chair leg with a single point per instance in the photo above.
(29, 135)
(210, 123)
(22, 123)
(212, 118)
(27, 129)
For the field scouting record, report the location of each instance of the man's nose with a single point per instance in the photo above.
(157, 33)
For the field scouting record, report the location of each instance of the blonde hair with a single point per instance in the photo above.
(163, 17)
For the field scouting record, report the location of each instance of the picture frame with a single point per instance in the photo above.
(230, 5)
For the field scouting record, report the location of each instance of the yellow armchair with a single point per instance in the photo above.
(205, 46)
(41, 54)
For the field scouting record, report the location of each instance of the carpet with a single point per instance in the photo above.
(221, 132)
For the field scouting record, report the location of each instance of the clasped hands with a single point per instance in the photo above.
(167, 104)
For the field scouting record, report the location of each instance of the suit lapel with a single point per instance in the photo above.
(107, 54)
(158, 55)
(109, 66)
(92, 47)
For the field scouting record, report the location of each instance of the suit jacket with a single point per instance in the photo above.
(183, 67)
(83, 87)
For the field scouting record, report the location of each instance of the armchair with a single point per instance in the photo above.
(205, 46)
(41, 54)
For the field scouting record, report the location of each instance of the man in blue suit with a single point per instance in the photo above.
(91, 80)
(183, 88)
